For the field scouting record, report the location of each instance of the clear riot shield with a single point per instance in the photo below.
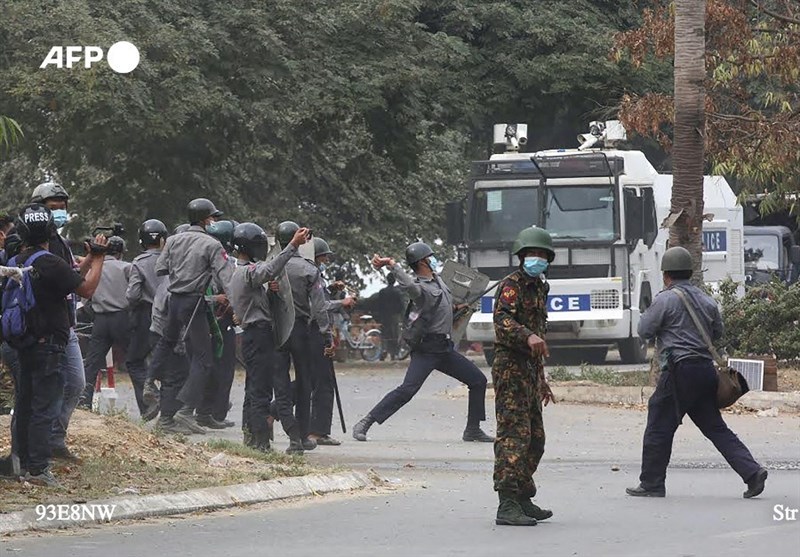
(281, 304)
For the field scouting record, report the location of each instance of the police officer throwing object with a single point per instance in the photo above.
(142, 287)
(251, 307)
(41, 345)
(191, 259)
(520, 386)
(431, 347)
(688, 382)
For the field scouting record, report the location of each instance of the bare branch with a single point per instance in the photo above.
(776, 15)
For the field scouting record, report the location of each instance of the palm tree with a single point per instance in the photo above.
(10, 132)
(688, 154)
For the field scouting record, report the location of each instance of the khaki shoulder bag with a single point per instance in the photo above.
(731, 384)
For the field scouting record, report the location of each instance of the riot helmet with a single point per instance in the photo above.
(151, 232)
(250, 239)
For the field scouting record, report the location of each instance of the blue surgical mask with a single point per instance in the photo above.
(434, 263)
(61, 217)
(535, 266)
(322, 267)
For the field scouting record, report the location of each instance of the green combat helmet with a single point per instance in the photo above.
(222, 230)
(534, 237)
(676, 259)
(321, 247)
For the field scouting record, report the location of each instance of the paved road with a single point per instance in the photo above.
(439, 498)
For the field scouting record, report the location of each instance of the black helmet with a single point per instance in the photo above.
(49, 190)
(116, 245)
(151, 232)
(13, 244)
(251, 240)
(285, 232)
(200, 209)
(35, 224)
(321, 247)
(417, 251)
(223, 231)
(181, 228)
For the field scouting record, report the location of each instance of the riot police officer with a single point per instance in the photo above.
(191, 260)
(141, 291)
(250, 301)
(307, 295)
(322, 396)
(688, 381)
(111, 320)
(432, 347)
(53, 196)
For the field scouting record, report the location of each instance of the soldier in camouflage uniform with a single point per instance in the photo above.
(520, 317)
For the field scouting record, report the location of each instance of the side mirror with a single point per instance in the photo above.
(634, 217)
(794, 255)
(455, 222)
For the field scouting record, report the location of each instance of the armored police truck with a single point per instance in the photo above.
(603, 207)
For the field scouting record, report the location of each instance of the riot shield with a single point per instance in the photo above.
(460, 322)
(281, 304)
(307, 250)
(465, 283)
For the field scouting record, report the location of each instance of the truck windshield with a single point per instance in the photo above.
(499, 214)
(580, 212)
(762, 251)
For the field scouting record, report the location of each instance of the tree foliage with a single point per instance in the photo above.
(356, 118)
(753, 96)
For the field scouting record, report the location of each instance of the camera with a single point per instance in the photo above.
(114, 230)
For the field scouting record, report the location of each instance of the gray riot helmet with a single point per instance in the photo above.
(49, 190)
(417, 251)
(677, 259)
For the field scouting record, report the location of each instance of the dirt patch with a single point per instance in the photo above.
(788, 379)
(121, 457)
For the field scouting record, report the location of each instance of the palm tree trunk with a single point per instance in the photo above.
(690, 118)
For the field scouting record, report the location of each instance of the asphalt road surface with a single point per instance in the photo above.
(438, 497)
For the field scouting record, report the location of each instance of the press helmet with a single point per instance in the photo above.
(35, 224)
(285, 232)
(417, 251)
(49, 190)
(534, 238)
(200, 209)
(251, 240)
(677, 259)
(151, 232)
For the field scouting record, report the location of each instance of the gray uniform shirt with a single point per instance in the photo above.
(190, 259)
(668, 321)
(322, 313)
(110, 293)
(248, 296)
(143, 282)
(309, 299)
(425, 292)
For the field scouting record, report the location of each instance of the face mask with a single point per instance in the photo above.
(434, 263)
(61, 217)
(534, 266)
(322, 267)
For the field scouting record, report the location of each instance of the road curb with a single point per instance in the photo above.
(205, 499)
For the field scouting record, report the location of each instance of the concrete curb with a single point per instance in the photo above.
(206, 499)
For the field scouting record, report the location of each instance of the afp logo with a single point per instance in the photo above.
(122, 57)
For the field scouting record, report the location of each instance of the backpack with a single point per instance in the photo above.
(18, 300)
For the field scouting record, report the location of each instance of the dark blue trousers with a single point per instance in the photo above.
(422, 364)
(690, 387)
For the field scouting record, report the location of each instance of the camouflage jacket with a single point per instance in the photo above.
(520, 310)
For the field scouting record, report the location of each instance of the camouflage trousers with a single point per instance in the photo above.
(519, 443)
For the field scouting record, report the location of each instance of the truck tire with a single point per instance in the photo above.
(633, 350)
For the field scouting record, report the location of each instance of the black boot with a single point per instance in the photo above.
(361, 428)
(475, 433)
(641, 491)
(185, 417)
(755, 485)
(295, 441)
(207, 420)
(532, 510)
(510, 513)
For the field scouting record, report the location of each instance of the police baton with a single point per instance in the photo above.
(200, 300)
(338, 398)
